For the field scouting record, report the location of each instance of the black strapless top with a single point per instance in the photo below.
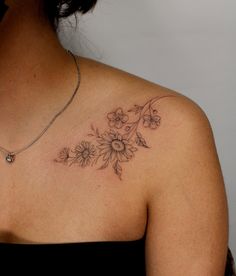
(84, 258)
(113, 258)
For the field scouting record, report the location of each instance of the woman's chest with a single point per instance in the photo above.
(42, 201)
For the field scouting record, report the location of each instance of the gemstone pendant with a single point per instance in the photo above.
(10, 158)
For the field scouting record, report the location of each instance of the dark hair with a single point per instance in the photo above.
(57, 9)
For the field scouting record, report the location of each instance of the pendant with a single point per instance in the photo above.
(10, 158)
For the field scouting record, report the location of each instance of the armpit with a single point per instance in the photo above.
(3, 9)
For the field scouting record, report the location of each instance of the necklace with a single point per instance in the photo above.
(10, 156)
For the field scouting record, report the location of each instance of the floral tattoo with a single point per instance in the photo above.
(119, 143)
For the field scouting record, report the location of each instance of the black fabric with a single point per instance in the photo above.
(230, 264)
(113, 258)
(84, 258)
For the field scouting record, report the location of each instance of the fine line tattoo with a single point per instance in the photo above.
(3, 9)
(119, 143)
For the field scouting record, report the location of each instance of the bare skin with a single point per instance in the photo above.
(172, 184)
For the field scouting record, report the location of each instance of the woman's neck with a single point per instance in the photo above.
(36, 72)
(29, 50)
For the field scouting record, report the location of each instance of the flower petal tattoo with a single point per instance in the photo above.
(117, 144)
(84, 153)
(117, 118)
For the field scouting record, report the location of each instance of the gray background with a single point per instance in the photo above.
(186, 45)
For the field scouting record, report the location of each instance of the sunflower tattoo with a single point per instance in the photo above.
(119, 143)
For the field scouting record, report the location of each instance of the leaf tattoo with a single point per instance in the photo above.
(117, 168)
(140, 141)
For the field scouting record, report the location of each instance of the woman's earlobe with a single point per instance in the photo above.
(3, 9)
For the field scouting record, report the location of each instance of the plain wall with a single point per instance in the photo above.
(186, 45)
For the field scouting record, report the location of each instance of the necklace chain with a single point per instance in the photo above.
(10, 155)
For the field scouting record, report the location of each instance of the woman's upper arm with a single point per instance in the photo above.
(187, 232)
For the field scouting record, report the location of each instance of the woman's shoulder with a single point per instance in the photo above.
(155, 119)
(130, 90)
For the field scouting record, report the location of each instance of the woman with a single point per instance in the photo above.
(99, 165)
